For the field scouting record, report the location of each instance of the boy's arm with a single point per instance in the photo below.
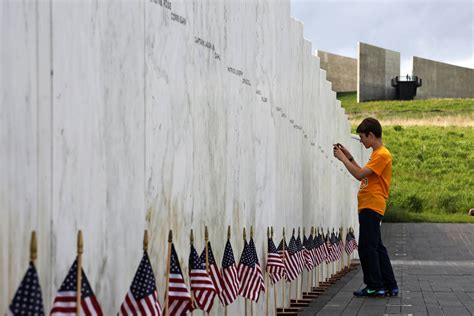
(351, 166)
(347, 154)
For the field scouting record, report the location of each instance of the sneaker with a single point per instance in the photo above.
(369, 293)
(392, 292)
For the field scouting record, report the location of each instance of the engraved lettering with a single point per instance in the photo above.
(204, 43)
(177, 18)
(235, 71)
(246, 81)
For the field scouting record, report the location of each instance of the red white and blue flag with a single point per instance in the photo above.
(142, 297)
(308, 252)
(257, 265)
(29, 291)
(230, 279)
(179, 297)
(249, 278)
(351, 243)
(290, 258)
(65, 301)
(213, 269)
(275, 266)
(202, 288)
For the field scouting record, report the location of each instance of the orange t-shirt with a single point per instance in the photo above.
(373, 191)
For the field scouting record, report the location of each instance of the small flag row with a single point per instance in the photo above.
(207, 281)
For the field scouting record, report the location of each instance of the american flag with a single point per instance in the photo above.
(317, 250)
(333, 248)
(275, 266)
(330, 253)
(340, 245)
(351, 243)
(65, 302)
(308, 253)
(27, 299)
(179, 298)
(213, 269)
(257, 265)
(142, 297)
(290, 259)
(324, 247)
(248, 276)
(337, 245)
(202, 287)
(312, 240)
(230, 279)
(299, 246)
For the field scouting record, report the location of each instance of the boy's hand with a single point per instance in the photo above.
(338, 153)
(344, 150)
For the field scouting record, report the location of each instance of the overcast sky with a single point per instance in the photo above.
(441, 30)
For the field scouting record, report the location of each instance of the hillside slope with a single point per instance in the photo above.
(432, 143)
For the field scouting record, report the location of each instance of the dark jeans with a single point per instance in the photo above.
(378, 272)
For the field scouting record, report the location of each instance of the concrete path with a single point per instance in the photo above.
(434, 267)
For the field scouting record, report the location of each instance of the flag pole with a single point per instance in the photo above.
(318, 272)
(80, 249)
(310, 287)
(284, 258)
(206, 241)
(296, 276)
(33, 247)
(308, 273)
(191, 242)
(145, 240)
(341, 261)
(251, 301)
(302, 271)
(266, 276)
(245, 299)
(274, 284)
(228, 238)
(170, 241)
(328, 265)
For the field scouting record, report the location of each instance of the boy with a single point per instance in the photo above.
(375, 179)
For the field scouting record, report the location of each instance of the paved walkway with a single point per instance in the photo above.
(434, 267)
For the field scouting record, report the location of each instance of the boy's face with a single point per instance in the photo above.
(366, 140)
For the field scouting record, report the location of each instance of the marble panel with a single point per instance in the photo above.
(161, 115)
(19, 127)
(98, 135)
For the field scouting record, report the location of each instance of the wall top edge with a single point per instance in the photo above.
(317, 51)
(440, 62)
(377, 47)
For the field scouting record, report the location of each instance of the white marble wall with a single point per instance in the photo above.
(120, 116)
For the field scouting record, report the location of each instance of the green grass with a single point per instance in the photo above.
(416, 109)
(433, 173)
(433, 166)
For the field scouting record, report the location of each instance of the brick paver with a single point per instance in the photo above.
(434, 267)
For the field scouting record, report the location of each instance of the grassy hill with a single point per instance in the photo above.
(441, 112)
(432, 143)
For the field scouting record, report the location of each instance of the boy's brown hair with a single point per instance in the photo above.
(370, 125)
